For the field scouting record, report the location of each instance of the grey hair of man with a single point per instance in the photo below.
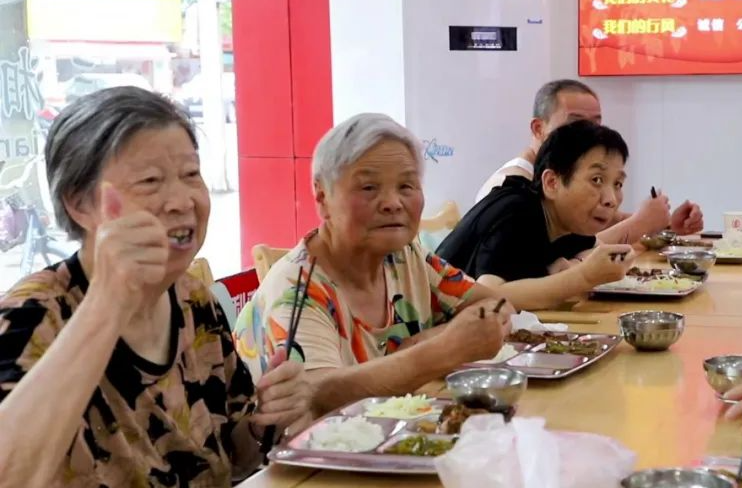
(546, 100)
(348, 141)
(91, 130)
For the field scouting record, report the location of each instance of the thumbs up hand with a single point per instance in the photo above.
(131, 251)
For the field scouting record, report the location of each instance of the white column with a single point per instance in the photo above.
(210, 47)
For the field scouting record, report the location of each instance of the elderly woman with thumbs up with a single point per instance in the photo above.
(116, 366)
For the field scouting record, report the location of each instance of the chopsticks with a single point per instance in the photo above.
(621, 255)
(546, 316)
(496, 310)
(270, 432)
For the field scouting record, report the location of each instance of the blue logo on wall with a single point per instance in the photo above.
(433, 150)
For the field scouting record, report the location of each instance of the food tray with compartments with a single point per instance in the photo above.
(557, 356)
(654, 283)
(299, 450)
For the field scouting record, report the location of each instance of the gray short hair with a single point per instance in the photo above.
(545, 102)
(94, 128)
(345, 143)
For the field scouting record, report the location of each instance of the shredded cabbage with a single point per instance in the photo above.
(406, 407)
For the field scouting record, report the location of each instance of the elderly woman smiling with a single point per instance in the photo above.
(117, 367)
(374, 291)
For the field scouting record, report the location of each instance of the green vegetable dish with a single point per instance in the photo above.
(420, 445)
(586, 348)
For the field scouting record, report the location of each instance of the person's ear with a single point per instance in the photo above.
(550, 183)
(320, 199)
(538, 129)
(82, 210)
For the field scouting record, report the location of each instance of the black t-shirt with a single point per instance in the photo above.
(506, 235)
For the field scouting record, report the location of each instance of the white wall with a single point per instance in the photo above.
(367, 58)
(684, 132)
(477, 102)
(391, 56)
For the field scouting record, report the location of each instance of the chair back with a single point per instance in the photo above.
(265, 256)
(436, 228)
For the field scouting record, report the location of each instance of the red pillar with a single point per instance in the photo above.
(284, 105)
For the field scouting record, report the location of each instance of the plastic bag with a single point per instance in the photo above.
(530, 322)
(523, 454)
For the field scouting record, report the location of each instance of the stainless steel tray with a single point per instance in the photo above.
(534, 362)
(296, 451)
(609, 289)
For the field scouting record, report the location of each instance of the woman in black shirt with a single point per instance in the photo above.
(522, 234)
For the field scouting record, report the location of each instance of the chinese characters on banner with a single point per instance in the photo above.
(645, 37)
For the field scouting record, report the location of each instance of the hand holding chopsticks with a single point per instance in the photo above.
(477, 332)
(654, 213)
(302, 290)
(606, 263)
(621, 256)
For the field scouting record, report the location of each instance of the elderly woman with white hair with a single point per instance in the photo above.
(373, 290)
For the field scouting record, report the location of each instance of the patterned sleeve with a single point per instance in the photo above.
(29, 322)
(449, 288)
(264, 324)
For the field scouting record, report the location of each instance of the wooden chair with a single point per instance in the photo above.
(446, 219)
(264, 257)
(434, 230)
(200, 269)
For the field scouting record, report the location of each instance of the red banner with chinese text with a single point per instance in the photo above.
(659, 37)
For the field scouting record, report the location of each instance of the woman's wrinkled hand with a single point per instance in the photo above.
(478, 331)
(735, 411)
(131, 251)
(284, 396)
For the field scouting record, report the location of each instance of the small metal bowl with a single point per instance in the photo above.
(691, 262)
(674, 249)
(655, 242)
(678, 478)
(493, 389)
(667, 235)
(651, 330)
(723, 372)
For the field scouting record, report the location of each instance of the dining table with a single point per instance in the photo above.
(657, 404)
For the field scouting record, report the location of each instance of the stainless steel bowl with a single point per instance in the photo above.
(651, 330)
(693, 262)
(489, 388)
(655, 242)
(667, 235)
(678, 478)
(679, 249)
(723, 372)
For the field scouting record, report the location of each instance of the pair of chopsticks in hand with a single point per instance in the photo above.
(270, 432)
(496, 309)
(653, 192)
(621, 256)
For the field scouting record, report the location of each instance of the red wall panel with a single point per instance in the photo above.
(306, 210)
(311, 73)
(267, 204)
(262, 67)
(284, 105)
